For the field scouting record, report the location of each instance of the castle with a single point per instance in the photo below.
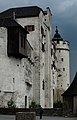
(33, 65)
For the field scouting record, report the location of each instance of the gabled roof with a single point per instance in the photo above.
(72, 90)
(20, 12)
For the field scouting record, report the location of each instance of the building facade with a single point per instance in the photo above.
(34, 67)
(15, 67)
(40, 39)
(34, 73)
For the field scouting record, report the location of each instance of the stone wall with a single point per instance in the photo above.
(15, 76)
(47, 112)
(25, 116)
(41, 35)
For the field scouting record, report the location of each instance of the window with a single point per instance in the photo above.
(53, 92)
(57, 41)
(62, 59)
(25, 101)
(59, 51)
(59, 75)
(54, 64)
(43, 47)
(43, 84)
(42, 31)
(13, 80)
(63, 69)
(29, 28)
(51, 51)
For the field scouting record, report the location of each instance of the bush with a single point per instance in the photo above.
(58, 104)
(11, 103)
(34, 105)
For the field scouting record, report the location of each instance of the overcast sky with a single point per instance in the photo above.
(64, 15)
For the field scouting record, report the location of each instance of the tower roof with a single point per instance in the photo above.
(57, 36)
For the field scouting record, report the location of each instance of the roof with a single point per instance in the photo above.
(20, 12)
(72, 90)
(57, 36)
(10, 23)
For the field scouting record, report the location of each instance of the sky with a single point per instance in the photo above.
(63, 15)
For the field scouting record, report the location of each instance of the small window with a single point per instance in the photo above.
(13, 80)
(43, 47)
(59, 75)
(53, 92)
(29, 28)
(43, 85)
(57, 41)
(54, 64)
(62, 59)
(25, 101)
(43, 64)
(42, 31)
(51, 51)
(59, 51)
(64, 42)
(63, 69)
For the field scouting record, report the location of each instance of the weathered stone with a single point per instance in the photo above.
(25, 116)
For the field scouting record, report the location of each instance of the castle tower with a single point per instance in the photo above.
(63, 64)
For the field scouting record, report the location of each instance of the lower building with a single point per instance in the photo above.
(70, 98)
(15, 70)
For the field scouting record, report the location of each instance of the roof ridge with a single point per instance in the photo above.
(21, 7)
(29, 11)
